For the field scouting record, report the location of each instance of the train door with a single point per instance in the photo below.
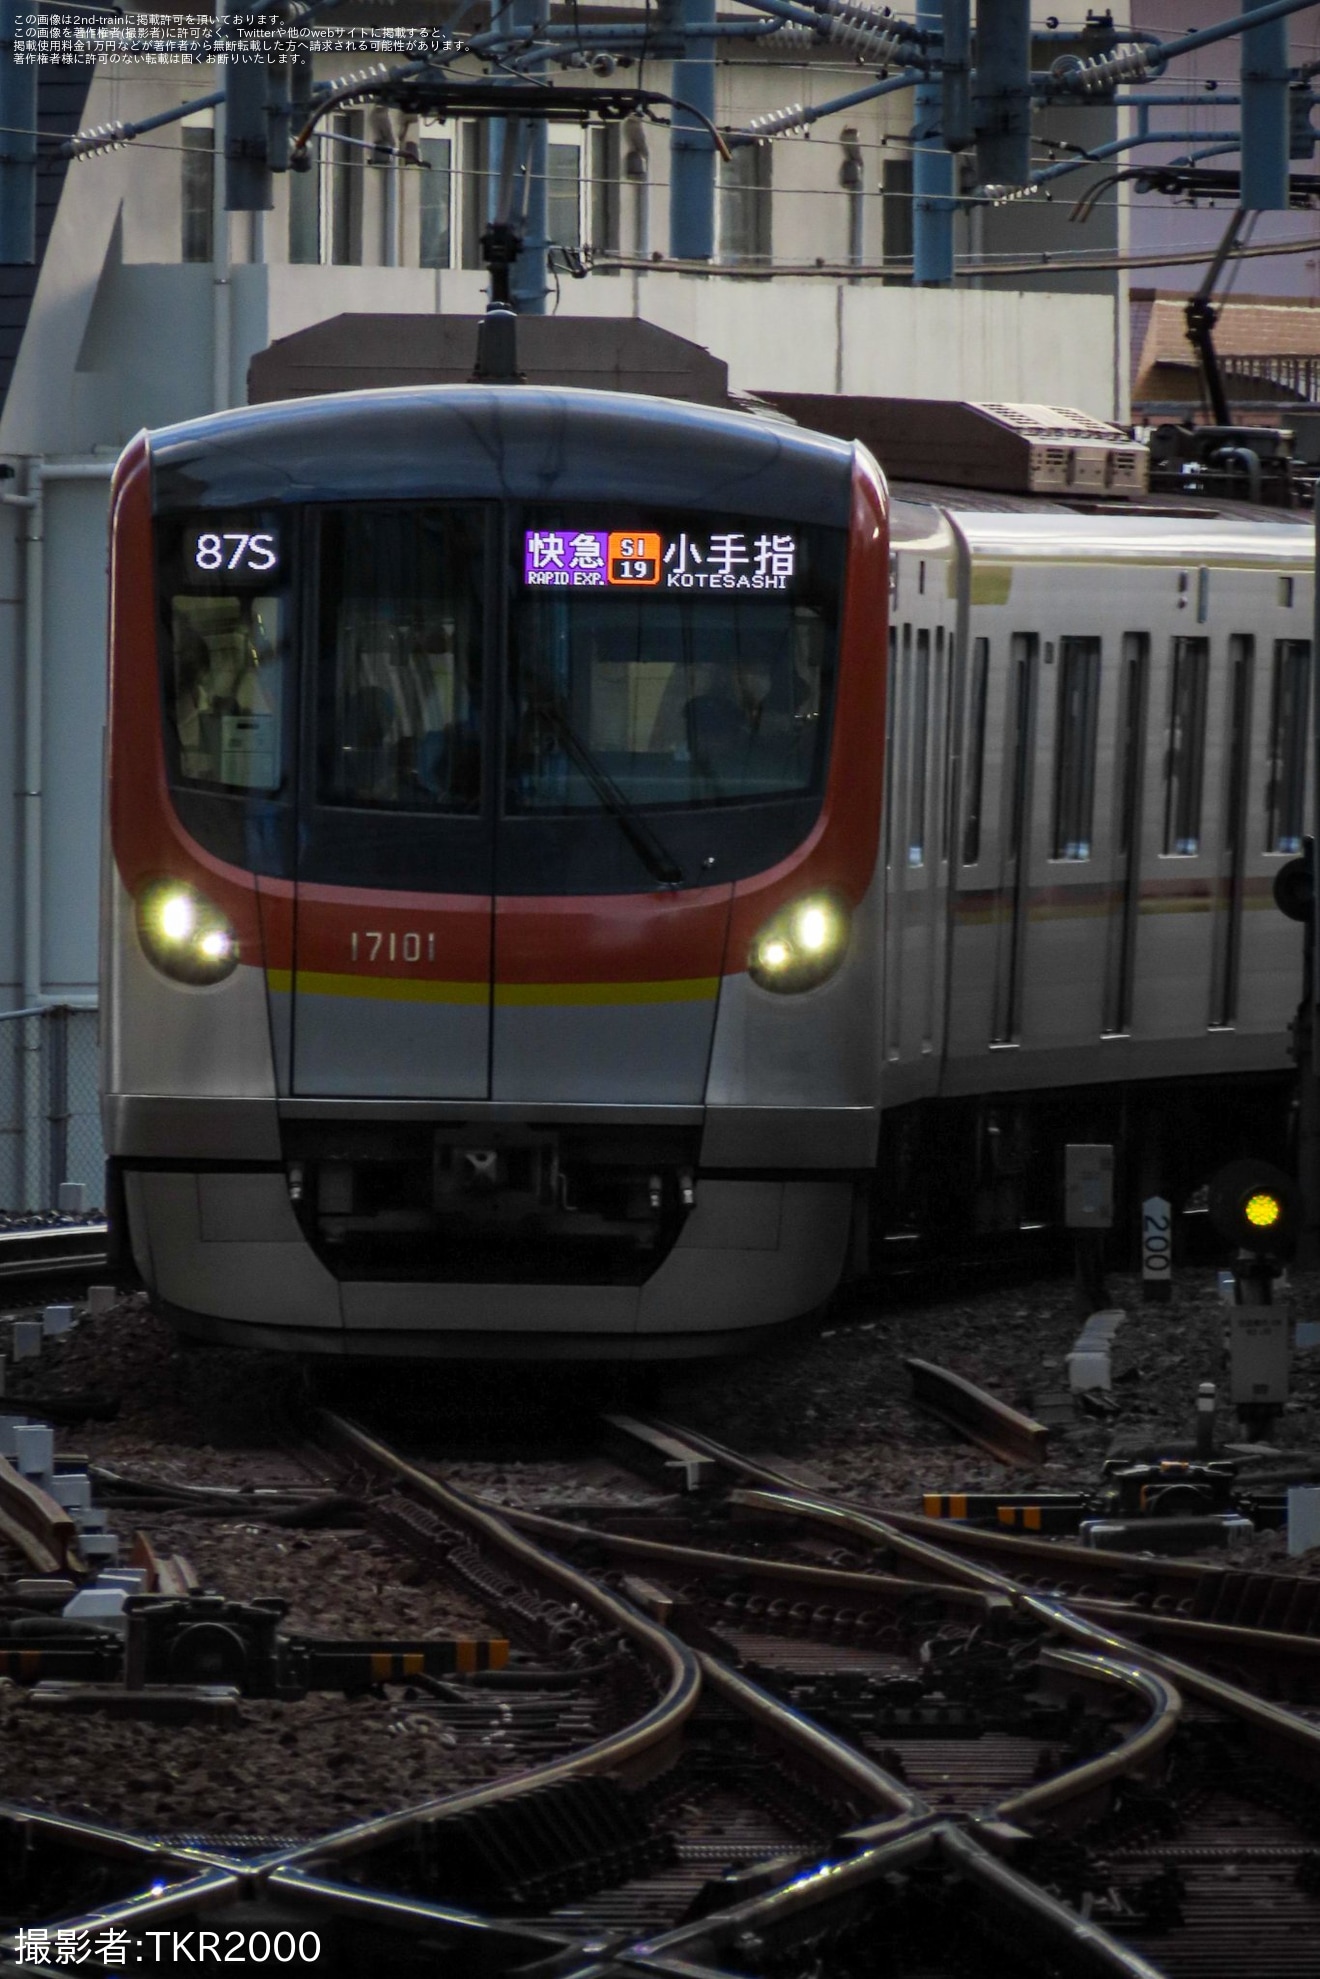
(1227, 955)
(943, 774)
(916, 930)
(1279, 802)
(1015, 858)
(632, 714)
(1062, 994)
(899, 784)
(1133, 702)
(392, 940)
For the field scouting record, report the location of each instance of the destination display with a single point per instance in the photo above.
(646, 560)
(231, 556)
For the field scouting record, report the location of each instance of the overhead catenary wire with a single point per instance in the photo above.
(1041, 264)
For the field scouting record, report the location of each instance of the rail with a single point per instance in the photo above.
(617, 1749)
(1129, 1756)
(991, 1424)
(42, 1531)
(53, 1252)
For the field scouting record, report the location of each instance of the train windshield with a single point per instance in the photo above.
(438, 683)
(688, 664)
(399, 679)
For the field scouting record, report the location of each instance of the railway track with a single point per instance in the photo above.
(1227, 1755)
(761, 1727)
(58, 1251)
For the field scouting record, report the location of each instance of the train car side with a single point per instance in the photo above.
(1122, 771)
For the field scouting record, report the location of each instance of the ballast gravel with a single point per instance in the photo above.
(833, 1397)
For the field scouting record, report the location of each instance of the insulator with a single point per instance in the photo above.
(1101, 72)
(106, 137)
(778, 123)
(860, 30)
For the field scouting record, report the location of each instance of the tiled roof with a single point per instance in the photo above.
(1243, 329)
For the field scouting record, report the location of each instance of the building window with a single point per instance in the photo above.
(198, 192)
(1185, 761)
(1289, 707)
(344, 182)
(436, 218)
(1074, 747)
(971, 845)
(475, 196)
(920, 728)
(305, 210)
(745, 223)
(606, 173)
(563, 173)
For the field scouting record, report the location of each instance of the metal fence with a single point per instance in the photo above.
(50, 1107)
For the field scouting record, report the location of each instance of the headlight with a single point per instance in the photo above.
(801, 945)
(184, 935)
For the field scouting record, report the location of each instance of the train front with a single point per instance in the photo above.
(489, 923)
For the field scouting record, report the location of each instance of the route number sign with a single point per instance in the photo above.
(1156, 1248)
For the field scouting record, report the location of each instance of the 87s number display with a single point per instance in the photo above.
(235, 552)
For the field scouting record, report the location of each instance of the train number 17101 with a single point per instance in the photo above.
(376, 945)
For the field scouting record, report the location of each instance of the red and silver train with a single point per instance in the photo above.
(551, 832)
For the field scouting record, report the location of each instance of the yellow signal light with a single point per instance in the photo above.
(1263, 1210)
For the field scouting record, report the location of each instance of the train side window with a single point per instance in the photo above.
(1132, 723)
(399, 680)
(1074, 747)
(919, 733)
(1285, 794)
(971, 845)
(1185, 761)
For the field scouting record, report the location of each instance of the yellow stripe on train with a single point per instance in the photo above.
(507, 996)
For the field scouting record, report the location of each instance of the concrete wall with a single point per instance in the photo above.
(73, 721)
(11, 754)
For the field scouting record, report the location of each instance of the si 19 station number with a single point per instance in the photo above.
(374, 944)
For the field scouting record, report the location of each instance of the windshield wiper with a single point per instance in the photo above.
(644, 839)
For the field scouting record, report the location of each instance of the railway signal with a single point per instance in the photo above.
(1257, 1207)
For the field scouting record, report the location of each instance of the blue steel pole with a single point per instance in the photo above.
(956, 69)
(1265, 117)
(691, 153)
(18, 146)
(528, 281)
(1001, 93)
(932, 173)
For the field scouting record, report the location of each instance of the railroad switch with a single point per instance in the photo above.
(205, 1642)
(938, 1708)
(1170, 1488)
(203, 1638)
(1150, 1495)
